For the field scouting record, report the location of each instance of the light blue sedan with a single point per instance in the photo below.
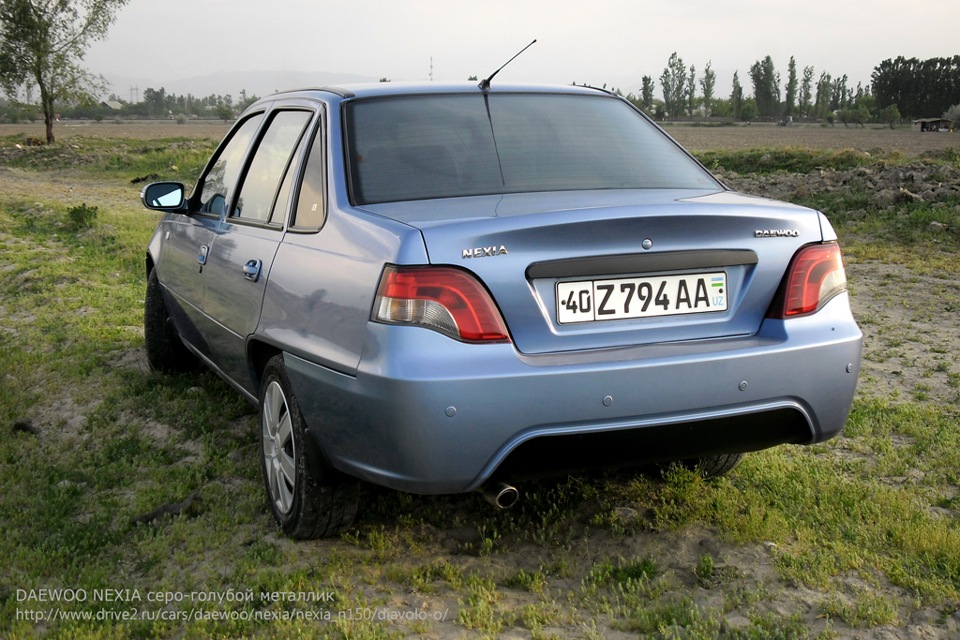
(450, 288)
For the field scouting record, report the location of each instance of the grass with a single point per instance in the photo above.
(805, 160)
(789, 160)
(867, 522)
(166, 158)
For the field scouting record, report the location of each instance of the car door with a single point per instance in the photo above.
(187, 238)
(245, 243)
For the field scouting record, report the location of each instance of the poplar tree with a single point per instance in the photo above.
(646, 94)
(791, 97)
(707, 85)
(766, 87)
(806, 92)
(736, 96)
(672, 83)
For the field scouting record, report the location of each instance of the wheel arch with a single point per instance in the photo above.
(149, 264)
(259, 353)
(153, 250)
(326, 500)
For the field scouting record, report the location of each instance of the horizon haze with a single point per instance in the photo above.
(295, 43)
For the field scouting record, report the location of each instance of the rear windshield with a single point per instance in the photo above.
(441, 146)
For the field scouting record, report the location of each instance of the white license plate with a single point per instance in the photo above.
(648, 297)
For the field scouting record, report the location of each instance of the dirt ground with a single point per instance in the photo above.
(763, 136)
(904, 343)
(694, 138)
(133, 129)
(906, 350)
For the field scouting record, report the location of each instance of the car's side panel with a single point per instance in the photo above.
(182, 248)
(322, 285)
(233, 238)
(235, 278)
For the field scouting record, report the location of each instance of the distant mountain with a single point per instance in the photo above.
(259, 83)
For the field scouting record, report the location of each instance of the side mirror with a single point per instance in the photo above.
(164, 196)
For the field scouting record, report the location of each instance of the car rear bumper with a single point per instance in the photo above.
(427, 414)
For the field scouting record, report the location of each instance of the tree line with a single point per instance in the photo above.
(919, 88)
(154, 104)
(42, 43)
(157, 103)
(901, 89)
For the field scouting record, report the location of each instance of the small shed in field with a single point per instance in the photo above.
(933, 124)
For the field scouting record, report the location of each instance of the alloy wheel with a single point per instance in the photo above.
(279, 448)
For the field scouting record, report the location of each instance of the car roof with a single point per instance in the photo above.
(382, 89)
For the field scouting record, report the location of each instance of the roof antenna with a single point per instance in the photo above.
(485, 84)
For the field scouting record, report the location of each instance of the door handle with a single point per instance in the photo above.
(251, 270)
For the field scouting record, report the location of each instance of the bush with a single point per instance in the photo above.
(953, 114)
(82, 217)
(890, 115)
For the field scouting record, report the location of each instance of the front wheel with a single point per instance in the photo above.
(305, 496)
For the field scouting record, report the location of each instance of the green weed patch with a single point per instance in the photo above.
(163, 159)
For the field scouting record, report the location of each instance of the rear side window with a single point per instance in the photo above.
(421, 147)
(270, 163)
(311, 203)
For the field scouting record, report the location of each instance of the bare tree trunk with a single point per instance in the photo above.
(48, 123)
(46, 101)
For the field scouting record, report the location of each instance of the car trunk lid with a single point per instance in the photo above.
(574, 270)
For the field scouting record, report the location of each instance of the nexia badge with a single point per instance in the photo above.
(484, 252)
(776, 233)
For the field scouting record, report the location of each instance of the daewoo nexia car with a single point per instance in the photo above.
(441, 289)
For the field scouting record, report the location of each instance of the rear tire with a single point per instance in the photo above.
(307, 498)
(715, 466)
(165, 350)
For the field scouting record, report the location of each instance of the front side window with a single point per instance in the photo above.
(270, 163)
(440, 146)
(225, 172)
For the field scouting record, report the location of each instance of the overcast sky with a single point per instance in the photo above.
(612, 42)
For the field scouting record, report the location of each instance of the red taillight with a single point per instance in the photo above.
(441, 298)
(815, 276)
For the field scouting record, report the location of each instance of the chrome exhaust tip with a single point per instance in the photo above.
(499, 494)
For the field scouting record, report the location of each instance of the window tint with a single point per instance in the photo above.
(421, 147)
(225, 171)
(443, 146)
(269, 165)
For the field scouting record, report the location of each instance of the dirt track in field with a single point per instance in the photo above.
(133, 129)
(907, 142)
(694, 138)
